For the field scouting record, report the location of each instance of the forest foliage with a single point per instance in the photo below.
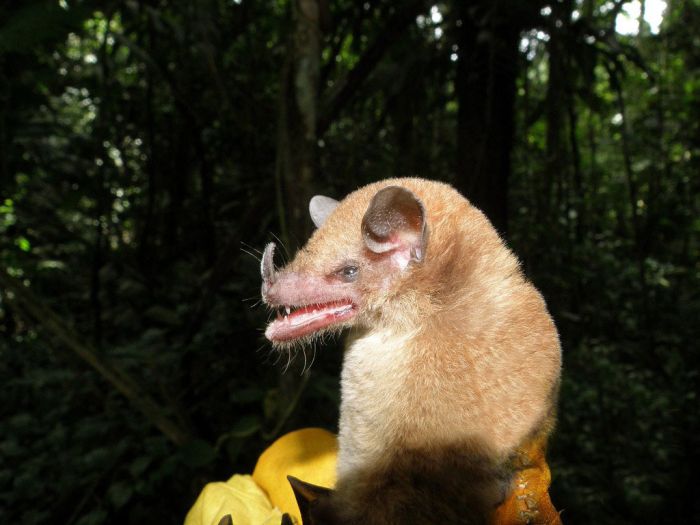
(150, 149)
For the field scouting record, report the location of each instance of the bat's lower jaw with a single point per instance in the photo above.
(295, 324)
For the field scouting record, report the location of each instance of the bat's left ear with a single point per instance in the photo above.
(320, 208)
(394, 223)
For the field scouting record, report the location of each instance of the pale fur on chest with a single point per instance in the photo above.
(411, 391)
(374, 372)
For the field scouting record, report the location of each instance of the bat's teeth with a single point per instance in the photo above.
(287, 309)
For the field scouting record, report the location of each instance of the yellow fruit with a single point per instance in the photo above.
(308, 454)
(240, 497)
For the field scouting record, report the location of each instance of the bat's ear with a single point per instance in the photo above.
(320, 208)
(395, 223)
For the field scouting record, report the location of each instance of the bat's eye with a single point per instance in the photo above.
(349, 273)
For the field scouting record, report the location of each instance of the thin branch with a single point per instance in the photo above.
(289, 409)
(346, 88)
(14, 291)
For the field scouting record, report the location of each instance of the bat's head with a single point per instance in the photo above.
(352, 266)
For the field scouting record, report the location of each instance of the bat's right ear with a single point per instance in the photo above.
(395, 224)
(320, 208)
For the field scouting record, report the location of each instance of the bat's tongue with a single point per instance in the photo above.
(293, 323)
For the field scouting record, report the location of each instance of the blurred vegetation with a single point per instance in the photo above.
(149, 149)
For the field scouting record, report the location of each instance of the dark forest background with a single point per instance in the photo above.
(150, 148)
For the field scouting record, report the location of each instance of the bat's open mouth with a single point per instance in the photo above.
(294, 322)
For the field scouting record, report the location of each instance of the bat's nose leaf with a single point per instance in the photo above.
(267, 264)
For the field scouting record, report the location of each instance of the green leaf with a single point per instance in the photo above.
(248, 395)
(243, 428)
(139, 466)
(246, 426)
(40, 22)
(232, 449)
(197, 453)
(119, 494)
(23, 244)
(95, 517)
(51, 265)
(160, 314)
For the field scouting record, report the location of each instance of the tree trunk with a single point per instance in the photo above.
(297, 164)
(555, 161)
(486, 77)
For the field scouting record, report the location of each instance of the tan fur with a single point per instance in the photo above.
(455, 356)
